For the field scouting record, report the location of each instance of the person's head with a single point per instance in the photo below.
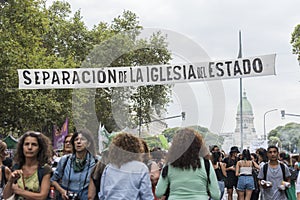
(284, 156)
(185, 149)
(33, 145)
(262, 155)
(124, 148)
(158, 155)
(67, 148)
(3, 149)
(272, 153)
(246, 154)
(82, 141)
(234, 151)
(214, 149)
(216, 157)
(254, 157)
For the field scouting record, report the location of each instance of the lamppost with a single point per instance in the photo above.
(265, 135)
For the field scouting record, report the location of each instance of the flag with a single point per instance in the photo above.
(102, 138)
(60, 134)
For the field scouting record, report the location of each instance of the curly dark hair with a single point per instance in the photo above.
(45, 148)
(185, 149)
(124, 148)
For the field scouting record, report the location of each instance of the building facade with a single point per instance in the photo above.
(249, 133)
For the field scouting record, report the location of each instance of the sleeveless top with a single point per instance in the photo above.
(246, 170)
(219, 173)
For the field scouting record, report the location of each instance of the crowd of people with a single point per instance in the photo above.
(129, 169)
(264, 174)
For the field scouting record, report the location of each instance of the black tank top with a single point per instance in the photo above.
(219, 173)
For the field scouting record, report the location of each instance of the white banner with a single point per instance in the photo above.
(256, 144)
(146, 75)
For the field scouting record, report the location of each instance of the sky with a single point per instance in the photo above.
(214, 25)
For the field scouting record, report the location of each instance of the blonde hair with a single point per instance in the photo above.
(3, 147)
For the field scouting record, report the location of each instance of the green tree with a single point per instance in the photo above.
(22, 27)
(288, 136)
(34, 36)
(295, 41)
(129, 106)
(209, 137)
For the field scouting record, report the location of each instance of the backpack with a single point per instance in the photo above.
(265, 170)
(294, 173)
(41, 172)
(207, 167)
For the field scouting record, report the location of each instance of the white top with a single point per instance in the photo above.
(298, 184)
(245, 170)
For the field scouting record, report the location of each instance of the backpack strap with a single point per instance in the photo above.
(283, 171)
(265, 170)
(42, 170)
(207, 166)
(3, 179)
(40, 174)
(165, 170)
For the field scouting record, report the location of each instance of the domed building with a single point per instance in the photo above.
(249, 133)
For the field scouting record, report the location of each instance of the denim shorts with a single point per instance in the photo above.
(245, 183)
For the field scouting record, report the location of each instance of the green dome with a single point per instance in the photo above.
(247, 108)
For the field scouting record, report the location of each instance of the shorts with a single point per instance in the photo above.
(245, 183)
(231, 181)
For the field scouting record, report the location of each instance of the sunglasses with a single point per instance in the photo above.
(32, 133)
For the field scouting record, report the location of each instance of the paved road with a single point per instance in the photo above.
(234, 195)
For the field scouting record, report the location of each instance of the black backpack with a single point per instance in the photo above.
(265, 170)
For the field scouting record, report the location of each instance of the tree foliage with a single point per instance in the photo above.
(295, 41)
(287, 137)
(209, 137)
(33, 35)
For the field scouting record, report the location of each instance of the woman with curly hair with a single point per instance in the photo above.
(126, 176)
(186, 176)
(31, 179)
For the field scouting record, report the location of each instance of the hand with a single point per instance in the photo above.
(15, 175)
(64, 195)
(17, 189)
(233, 167)
(266, 187)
